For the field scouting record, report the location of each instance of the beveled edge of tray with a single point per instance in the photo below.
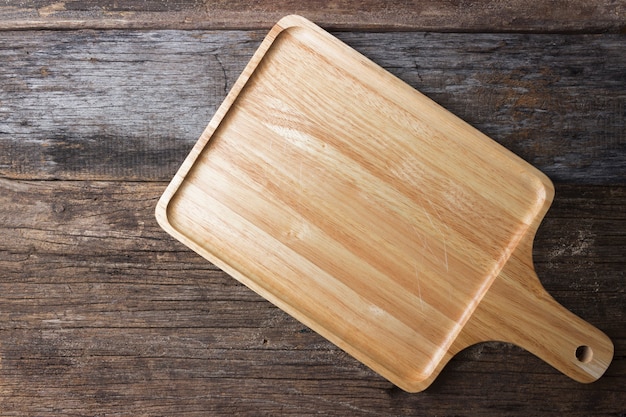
(162, 208)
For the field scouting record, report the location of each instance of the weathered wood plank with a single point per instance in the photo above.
(492, 15)
(129, 105)
(102, 312)
(164, 386)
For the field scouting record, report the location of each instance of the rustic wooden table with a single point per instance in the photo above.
(102, 313)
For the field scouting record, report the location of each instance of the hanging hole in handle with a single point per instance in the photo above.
(584, 354)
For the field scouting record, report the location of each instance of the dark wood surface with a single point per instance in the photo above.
(102, 313)
(432, 15)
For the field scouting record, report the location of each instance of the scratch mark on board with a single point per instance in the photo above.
(419, 288)
(445, 255)
(443, 235)
(424, 241)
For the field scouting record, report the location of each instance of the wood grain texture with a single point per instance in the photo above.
(133, 323)
(432, 15)
(104, 314)
(129, 105)
(382, 227)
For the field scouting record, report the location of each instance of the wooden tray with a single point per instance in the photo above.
(372, 215)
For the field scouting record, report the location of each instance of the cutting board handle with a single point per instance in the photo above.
(517, 309)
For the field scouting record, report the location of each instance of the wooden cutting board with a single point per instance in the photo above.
(372, 215)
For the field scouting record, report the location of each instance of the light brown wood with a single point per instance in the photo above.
(371, 214)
